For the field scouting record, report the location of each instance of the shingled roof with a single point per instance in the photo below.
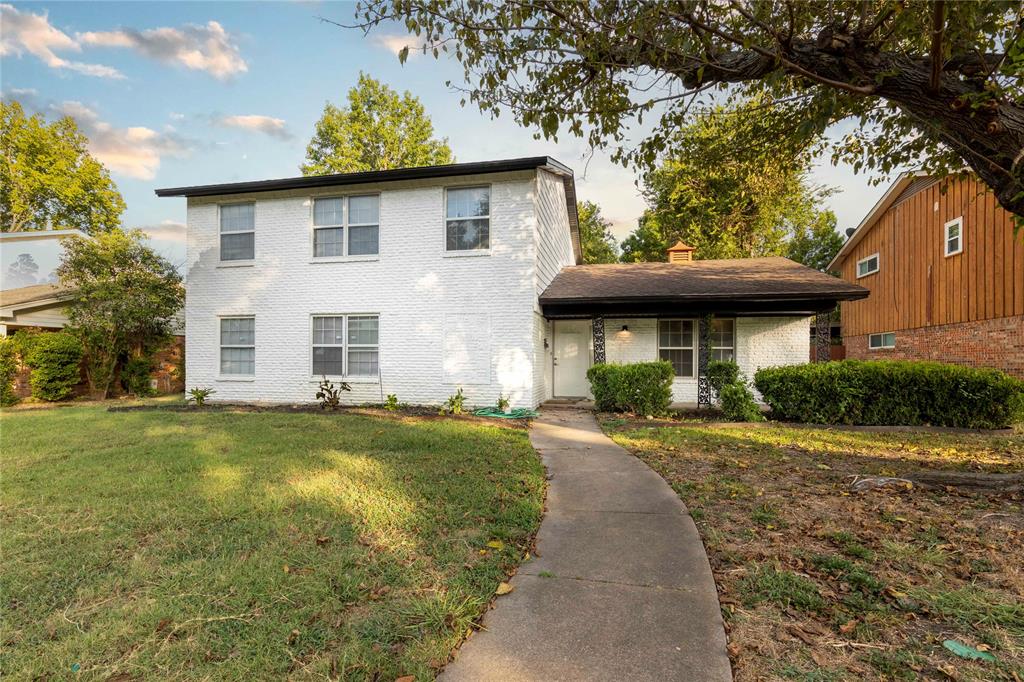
(749, 280)
(22, 296)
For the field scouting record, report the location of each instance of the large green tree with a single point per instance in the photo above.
(48, 179)
(927, 81)
(596, 237)
(377, 130)
(726, 190)
(816, 244)
(127, 297)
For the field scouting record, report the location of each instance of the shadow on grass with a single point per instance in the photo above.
(185, 544)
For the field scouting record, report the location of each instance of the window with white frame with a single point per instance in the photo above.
(867, 266)
(676, 345)
(238, 346)
(723, 339)
(359, 215)
(884, 340)
(345, 345)
(237, 231)
(954, 236)
(467, 218)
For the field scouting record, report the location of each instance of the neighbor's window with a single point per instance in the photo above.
(359, 215)
(954, 238)
(886, 340)
(675, 344)
(867, 266)
(333, 346)
(723, 339)
(238, 346)
(238, 231)
(467, 218)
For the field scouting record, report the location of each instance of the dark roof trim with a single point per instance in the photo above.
(710, 297)
(418, 173)
(574, 217)
(803, 307)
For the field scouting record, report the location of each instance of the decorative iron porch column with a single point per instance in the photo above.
(598, 325)
(822, 336)
(703, 358)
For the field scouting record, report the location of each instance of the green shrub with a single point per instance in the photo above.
(892, 392)
(199, 395)
(642, 388)
(8, 370)
(55, 359)
(738, 404)
(135, 374)
(722, 373)
(391, 404)
(455, 403)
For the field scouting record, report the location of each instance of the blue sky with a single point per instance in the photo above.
(182, 93)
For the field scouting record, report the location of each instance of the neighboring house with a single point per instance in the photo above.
(31, 298)
(420, 281)
(946, 275)
(29, 293)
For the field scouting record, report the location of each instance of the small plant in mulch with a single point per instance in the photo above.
(329, 393)
(199, 395)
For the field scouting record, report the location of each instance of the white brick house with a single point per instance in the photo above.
(420, 281)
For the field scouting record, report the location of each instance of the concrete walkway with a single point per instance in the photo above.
(621, 588)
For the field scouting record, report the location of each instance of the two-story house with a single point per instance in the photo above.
(420, 281)
(946, 275)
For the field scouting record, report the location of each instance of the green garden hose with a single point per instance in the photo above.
(521, 413)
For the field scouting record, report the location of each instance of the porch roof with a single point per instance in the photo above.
(747, 286)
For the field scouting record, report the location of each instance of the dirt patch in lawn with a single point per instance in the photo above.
(819, 582)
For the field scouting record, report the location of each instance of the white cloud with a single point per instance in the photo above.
(134, 152)
(275, 127)
(395, 43)
(166, 231)
(32, 33)
(206, 48)
(175, 116)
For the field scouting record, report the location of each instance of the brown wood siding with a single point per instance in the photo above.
(917, 285)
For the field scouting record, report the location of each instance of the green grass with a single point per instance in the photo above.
(230, 545)
(765, 583)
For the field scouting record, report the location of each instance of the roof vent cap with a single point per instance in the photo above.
(680, 253)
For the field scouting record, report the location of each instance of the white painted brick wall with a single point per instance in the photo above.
(412, 285)
(760, 342)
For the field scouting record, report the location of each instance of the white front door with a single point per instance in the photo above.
(571, 358)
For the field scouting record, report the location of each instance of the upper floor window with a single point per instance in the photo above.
(238, 345)
(359, 215)
(723, 339)
(954, 237)
(238, 231)
(467, 218)
(675, 344)
(867, 266)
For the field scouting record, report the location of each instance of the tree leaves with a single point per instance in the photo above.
(378, 130)
(48, 179)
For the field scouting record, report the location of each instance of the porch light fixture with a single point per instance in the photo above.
(625, 327)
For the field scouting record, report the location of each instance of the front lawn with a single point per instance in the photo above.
(819, 582)
(230, 545)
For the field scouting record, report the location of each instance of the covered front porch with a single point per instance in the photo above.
(756, 312)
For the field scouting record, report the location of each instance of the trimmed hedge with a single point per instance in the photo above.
(892, 392)
(722, 373)
(8, 370)
(642, 388)
(55, 359)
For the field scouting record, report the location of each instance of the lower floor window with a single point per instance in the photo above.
(723, 339)
(885, 340)
(238, 346)
(675, 344)
(345, 345)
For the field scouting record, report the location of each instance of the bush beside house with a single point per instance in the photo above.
(55, 359)
(892, 392)
(642, 388)
(8, 370)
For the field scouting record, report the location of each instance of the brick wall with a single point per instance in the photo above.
(997, 343)
(414, 287)
(760, 342)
